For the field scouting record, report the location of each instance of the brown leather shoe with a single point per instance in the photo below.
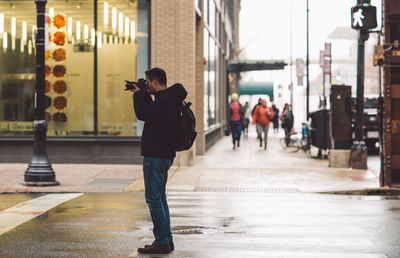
(155, 248)
(170, 243)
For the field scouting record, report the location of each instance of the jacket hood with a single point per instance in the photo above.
(177, 90)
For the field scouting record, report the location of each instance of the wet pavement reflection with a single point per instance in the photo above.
(207, 224)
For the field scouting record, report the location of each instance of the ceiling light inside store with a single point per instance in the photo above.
(99, 38)
(78, 30)
(1, 23)
(126, 27)
(5, 40)
(120, 23)
(114, 18)
(105, 13)
(133, 32)
(69, 28)
(29, 47)
(51, 13)
(24, 31)
(33, 35)
(85, 32)
(93, 37)
(13, 26)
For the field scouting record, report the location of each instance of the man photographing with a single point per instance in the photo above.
(160, 119)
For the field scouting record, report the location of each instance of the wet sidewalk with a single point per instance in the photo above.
(245, 169)
(253, 169)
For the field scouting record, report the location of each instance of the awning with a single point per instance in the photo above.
(257, 88)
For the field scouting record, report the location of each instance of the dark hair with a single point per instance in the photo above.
(157, 74)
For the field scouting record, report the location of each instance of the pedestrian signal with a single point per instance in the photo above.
(378, 55)
(363, 17)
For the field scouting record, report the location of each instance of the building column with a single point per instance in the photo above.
(173, 48)
(199, 107)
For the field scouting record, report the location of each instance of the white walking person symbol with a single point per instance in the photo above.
(358, 16)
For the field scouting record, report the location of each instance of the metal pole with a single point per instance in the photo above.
(307, 65)
(291, 53)
(40, 172)
(95, 90)
(358, 158)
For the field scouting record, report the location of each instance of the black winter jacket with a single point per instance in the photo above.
(161, 118)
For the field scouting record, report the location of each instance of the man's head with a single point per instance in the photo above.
(156, 80)
(246, 104)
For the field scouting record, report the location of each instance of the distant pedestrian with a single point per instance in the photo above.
(262, 117)
(160, 118)
(254, 108)
(287, 122)
(246, 119)
(259, 102)
(275, 119)
(235, 119)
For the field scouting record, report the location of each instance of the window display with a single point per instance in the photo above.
(85, 66)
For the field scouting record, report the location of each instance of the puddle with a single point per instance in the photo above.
(193, 230)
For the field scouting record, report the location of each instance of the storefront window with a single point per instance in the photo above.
(206, 77)
(70, 68)
(212, 99)
(117, 51)
(86, 65)
(17, 67)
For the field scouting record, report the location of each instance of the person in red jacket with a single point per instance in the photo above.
(262, 117)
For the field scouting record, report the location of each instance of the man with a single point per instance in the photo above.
(160, 117)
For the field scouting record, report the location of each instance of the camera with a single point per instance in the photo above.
(141, 84)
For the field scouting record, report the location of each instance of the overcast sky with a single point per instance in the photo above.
(265, 26)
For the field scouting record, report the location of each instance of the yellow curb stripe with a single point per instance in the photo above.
(23, 212)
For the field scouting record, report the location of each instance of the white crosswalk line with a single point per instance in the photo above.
(23, 212)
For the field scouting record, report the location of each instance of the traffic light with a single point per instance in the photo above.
(363, 15)
(378, 55)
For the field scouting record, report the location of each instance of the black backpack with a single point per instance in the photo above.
(186, 130)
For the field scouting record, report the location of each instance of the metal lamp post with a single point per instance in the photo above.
(40, 172)
(308, 68)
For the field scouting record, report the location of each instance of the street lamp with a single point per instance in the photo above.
(308, 68)
(40, 172)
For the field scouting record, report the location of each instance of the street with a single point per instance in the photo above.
(214, 224)
(233, 203)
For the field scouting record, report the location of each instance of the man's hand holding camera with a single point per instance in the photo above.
(134, 87)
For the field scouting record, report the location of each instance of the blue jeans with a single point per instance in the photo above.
(155, 173)
(236, 127)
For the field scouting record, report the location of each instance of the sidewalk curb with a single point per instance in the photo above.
(369, 191)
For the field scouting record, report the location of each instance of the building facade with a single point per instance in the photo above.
(93, 46)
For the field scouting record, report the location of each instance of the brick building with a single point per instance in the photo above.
(93, 46)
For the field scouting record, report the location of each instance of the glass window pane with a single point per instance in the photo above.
(70, 62)
(205, 11)
(117, 53)
(17, 67)
(206, 77)
(212, 16)
(212, 107)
